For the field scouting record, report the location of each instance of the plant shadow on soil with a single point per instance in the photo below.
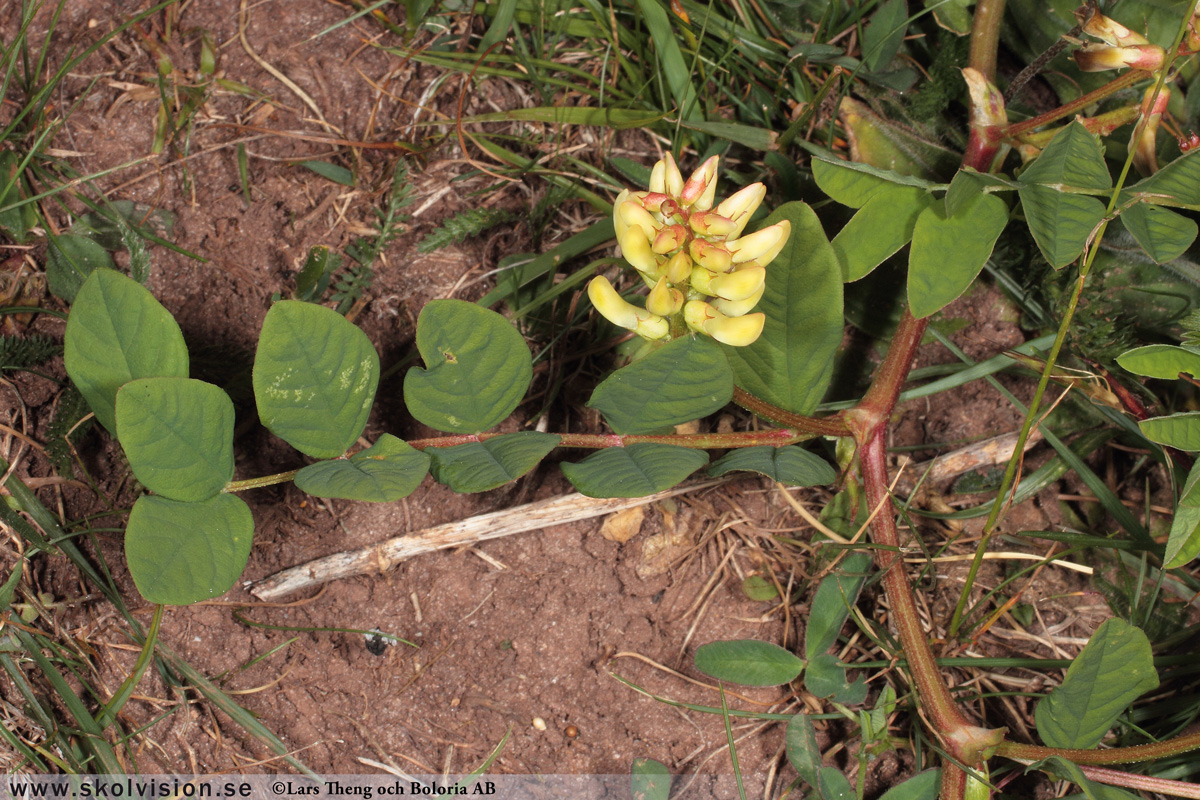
(512, 630)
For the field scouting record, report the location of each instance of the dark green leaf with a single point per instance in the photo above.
(1162, 233)
(634, 471)
(791, 364)
(477, 368)
(792, 465)
(385, 472)
(70, 260)
(884, 34)
(853, 184)
(182, 553)
(314, 379)
(748, 662)
(1183, 544)
(802, 750)
(333, 172)
(879, 229)
(178, 436)
(1178, 183)
(759, 589)
(117, 332)
(1177, 430)
(831, 605)
(833, 785)
(825, 677)
(1074, 158)
(685, 379)
(107, 226)
(922, 786)
(1061, 223)
(483, 466)
(649, 780)
(948, 253)
(1114, 669)
(1164, 361)
(313, 278)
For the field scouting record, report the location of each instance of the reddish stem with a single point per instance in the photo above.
(777, 437)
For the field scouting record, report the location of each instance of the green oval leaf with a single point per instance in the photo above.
(182, 553)
(1162, 233)
(70, 259)
(315, 376)
(748, 662)
(683, 380)
(1178, 183)
(1177, 430)
(178, 436)
(1074, 157)
(801, 747)
(791, 364)
(385, 472)
(833, 785)
(649, 780)
(922, 786)
(117, 332)
(1061, 223)
(934, 279)
(634, 471)
(879, 229)
(791, 465)
(477, 368)
(825, 677)
(852, 183)
(1114, 669)
(1183, 543)
(831, 605)
(1163, 361)
(483, 466)
(759, 589)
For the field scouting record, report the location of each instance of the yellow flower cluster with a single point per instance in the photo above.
(702, 273)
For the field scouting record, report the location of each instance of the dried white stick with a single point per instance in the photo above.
(380, 557)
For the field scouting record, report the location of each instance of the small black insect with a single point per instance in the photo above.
(378, 642)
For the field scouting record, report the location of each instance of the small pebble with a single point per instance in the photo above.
(539, 723)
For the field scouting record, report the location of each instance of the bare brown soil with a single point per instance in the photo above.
(502, 635)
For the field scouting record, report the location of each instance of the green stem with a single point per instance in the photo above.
(258, 483)
(985, 36)
(1115, 755)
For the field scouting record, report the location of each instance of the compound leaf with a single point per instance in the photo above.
(1074, 158)
(791, 364)
(483, 466)
(634, 471)
(791, 465)
(181, 553)
(1177, 430)
(879, 229)
(315, 376)
(749, 662)
(1061, 223)
(948, 252)
(477, 368)
(1114, 669)
(825, 677)
(1162, 233)
(385, 472)
(685, 379)
(178, 436)
(117, 332)
(1178, 183)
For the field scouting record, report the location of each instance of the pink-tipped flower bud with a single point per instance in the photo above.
(739, 284)
(1145, 133)
(663, 300)
(631, 214)
(679, 268)
(1101, 57)
(665, 177)
(701, 187)
(651, 201)
(761, 246)
(710, 256)
(1106, 29)
(709, 223)
(671, 238)
(741, 205)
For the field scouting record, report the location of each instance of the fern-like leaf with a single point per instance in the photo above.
(464, 225)
(1191, 329)
(22, 352)
(65, 430)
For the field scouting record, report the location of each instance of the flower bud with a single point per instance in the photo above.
(740, 284)
(1145, 133)
(666, 177)
(636, 249)
(670, 238)
(711, 256)
(678, 268)
(761, 246)
(708, 223)
(733, 331)
(736, 308)
(1100, 57)
(663, 300)
(630, 213)
(1105, 29)
(701, 188)
(623, 314)
(701, 280)
(651, 201)
(741, 205)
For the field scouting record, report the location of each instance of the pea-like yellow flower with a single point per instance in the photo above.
(705, 276)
